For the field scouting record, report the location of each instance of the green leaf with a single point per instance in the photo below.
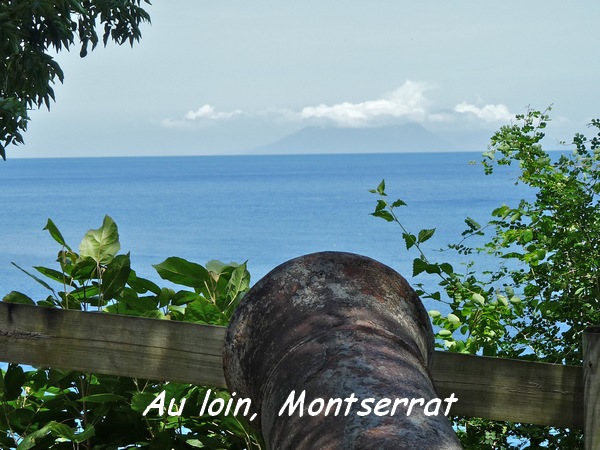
(40, 281)
(181, 271)
(215, 266)
(20, 419)
(409, 240)
(87, 433)
(13, 382)
(398, 203)
(527, 236)
(472, 224)
(419, 266)
(385, 215)
(56, 234)
(182, 298)
(202, 311)
(115, 276)
(102, 398)
(425, 235)
(502, 212)
(142, 285)
(447, 268)
(84, 270)
(239, 281)
(101, 245)
(502, 299)
(54, 428)
(381, 188)
(18, 297)
(51, 273)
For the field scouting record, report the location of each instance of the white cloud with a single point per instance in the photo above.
(406, 102)
(203, 114)
(208, 112)
(487, 113)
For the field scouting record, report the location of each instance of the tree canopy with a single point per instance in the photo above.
(543, 288)
(30, 30)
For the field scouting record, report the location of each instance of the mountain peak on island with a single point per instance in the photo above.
(410, 137)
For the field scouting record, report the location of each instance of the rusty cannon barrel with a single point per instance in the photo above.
(333, 350)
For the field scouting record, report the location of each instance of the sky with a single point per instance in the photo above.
(226, 76)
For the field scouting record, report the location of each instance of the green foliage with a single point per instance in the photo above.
(30, 29)
(47, 408)
(544, 289)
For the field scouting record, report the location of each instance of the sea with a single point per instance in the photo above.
(261, 209)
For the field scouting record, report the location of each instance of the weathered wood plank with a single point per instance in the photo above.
(493, 388)
(591, 382)
(511, 390)
(112, 344)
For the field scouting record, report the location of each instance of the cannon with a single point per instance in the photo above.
(334, 351)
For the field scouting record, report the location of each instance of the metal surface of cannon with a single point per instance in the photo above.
(335, 327)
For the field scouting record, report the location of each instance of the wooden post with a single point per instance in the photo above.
(353, 336)
(591, 386)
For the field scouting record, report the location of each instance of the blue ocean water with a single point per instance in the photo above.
(263, 209)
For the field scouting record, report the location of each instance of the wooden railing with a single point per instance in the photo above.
(491, 388)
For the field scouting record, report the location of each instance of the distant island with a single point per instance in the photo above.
(410, 137)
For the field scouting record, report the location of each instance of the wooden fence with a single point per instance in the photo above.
(491, 388)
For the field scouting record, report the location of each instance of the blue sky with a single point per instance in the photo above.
(222, 77)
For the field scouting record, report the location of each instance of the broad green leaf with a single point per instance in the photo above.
(182, 298)
(181, 271)
(56, 234)
(527, 236)
(419, 266)
(165, 296)
(141, 305)
(54, 428)
(385, 215)
(20, 419)
(101, 245)
(18, 297)
(239, 281)
(51, 273)
(409, 240)
(215, 266)
(447, 268)
(142, 285)
(13, 382)
(141, 400)
(84, 270)
(425, 235)
(115, 276)
(85, 292)
(202, 311)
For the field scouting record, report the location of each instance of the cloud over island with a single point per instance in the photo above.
(407, 103)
